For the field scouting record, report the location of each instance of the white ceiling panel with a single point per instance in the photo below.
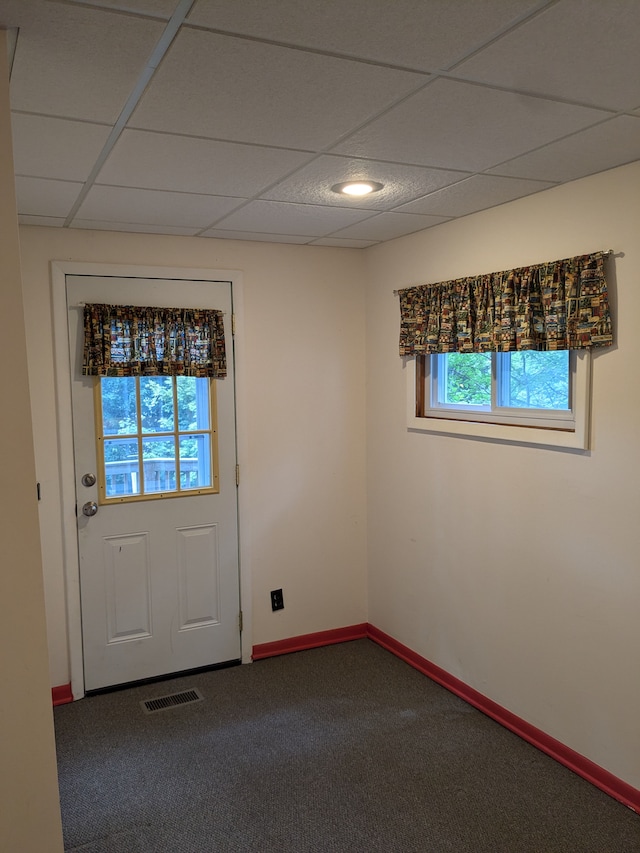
(313, 183)
(388, 226)
(422, 34)
(586, 52)
(303, 219)
(474, 194)
(158, 8)
(343, 243)
(47, 221)
(229, 88)
(43, 197)
(56, 148)
(80, 62)
(237, 121)
(461, 126)
(154, 207)
(133, 227)
(255, 237)
(593, 150)
(163, 161)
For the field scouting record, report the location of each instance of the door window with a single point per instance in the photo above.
(156, 437)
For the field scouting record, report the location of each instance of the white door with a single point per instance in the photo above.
(159, 579)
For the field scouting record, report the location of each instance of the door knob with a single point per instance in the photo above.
(90, 508)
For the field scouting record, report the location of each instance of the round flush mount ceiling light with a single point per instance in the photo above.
(357, 188)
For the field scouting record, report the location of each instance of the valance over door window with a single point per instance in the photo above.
(128, 340)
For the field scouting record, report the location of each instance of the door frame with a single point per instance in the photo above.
(62, 368)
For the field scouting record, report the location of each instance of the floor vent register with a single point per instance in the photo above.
(173, 700)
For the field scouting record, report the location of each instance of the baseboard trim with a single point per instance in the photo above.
(310, 641)
(61, 695)
(598, 776)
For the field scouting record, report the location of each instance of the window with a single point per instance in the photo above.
(156, 437)
(490, 395)
(513, 387)
(486, 355)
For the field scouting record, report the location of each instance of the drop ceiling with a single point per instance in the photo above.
(234, 118)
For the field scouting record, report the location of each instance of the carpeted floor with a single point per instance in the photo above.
(343, 748)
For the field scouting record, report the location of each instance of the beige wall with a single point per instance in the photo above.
(29, 810)
(534, 605)
(303, 472)
(516, 568)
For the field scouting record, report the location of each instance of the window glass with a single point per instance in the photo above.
(193, 404)
(156, 403)
(195, 464)
(535, 380)
(169, 424)
(119, 405)
(465, 378)
(121, 467)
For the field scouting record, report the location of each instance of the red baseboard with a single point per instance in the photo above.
(593, 773)
(310, 641)
(61, 695)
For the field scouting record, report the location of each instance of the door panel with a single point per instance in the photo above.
(159, 580)
(199, 591)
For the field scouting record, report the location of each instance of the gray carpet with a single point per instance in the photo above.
(343, 748)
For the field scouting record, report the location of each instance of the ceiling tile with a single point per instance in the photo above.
(133, 227)
(421, 34)
(593, 150)
(343, 243)
(461, 126)
(163, 161)
(256, 237)
(79, 62)
(159, 8)
(245, 91)
(282, 218)
(48, 221)
(556, 54)
(312, 184)
(474, 194)
(43, 197)
(154, 207)
(388, 226)
(56, 148)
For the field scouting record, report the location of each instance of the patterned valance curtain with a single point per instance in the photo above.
(127, 340)
(558, 305)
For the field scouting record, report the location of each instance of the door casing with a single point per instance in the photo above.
(59, 271)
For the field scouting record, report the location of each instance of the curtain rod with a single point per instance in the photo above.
(84, 304)
(604, 252)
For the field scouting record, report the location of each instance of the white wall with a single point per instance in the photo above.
(29, 808)
(303, 475)
(534, 605)
(514, 568)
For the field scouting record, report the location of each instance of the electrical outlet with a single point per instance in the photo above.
(277, 600)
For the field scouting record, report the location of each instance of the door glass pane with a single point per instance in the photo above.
(537, 380)
(159, 459)
(121, 467)
(193, 403)
(465, 378)
(119, 408)
(195, 462)
(161, 417)
(156, 403)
